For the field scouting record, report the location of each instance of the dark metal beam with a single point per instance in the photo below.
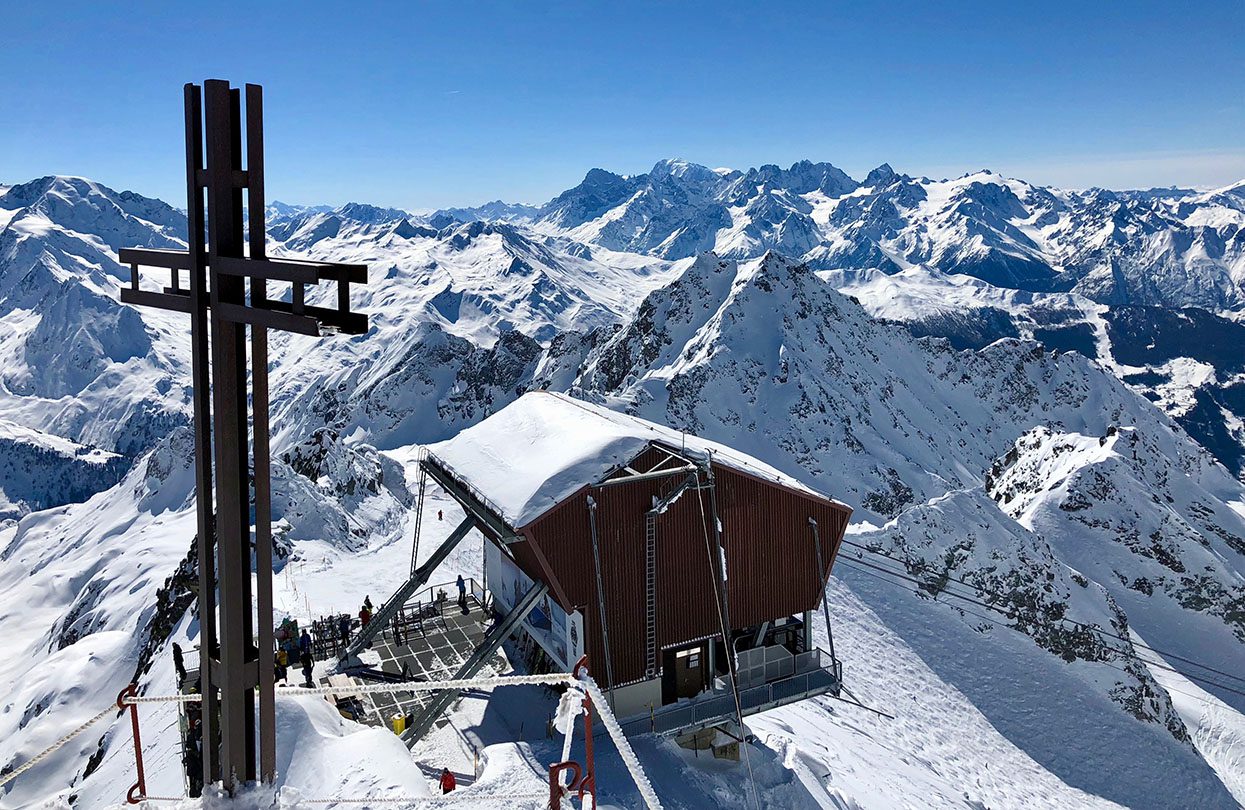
(266, 318)
(261, 451)
(201, 375)
(237, 718)
(146, 298)
(153, 257)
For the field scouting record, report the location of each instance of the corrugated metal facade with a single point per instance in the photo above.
(771, 558)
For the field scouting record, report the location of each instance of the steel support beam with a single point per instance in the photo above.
(196, 261)
(605, 630)
(821, 585)
(229, 423)
(261, 451)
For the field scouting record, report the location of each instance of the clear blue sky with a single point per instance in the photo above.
(432, 104)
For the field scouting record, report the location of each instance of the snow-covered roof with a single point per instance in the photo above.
(537, 451)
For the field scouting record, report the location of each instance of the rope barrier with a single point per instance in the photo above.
(625, 751)
(585, 682)
(449, 798)
(45, 753)
(548, 679)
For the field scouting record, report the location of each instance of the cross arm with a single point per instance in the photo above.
(291, 270)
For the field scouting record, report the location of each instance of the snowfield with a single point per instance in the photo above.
(1030, 397)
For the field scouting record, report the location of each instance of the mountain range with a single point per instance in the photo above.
(1028, 395)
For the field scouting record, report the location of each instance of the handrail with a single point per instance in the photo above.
(459, 479)
(710, 707)
(474, 589)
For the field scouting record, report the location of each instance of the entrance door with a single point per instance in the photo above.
(689, 671)
(684, 673)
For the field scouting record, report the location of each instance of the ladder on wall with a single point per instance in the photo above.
(650, 593)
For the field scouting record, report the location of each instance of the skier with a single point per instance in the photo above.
(440, 515)
(343, 626)
(307, 663)
(448, 782)
(179, 663)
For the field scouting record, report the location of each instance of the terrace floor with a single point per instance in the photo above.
(432, 652)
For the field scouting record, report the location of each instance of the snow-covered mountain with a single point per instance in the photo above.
(1171, 248)
(1079, 508)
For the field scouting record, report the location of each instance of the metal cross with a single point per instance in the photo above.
(235, 660)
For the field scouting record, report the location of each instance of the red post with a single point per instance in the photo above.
(583, 778)
(588, 784)
(555, 780)
(139, 791)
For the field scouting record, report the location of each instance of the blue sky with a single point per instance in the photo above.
(431, 104)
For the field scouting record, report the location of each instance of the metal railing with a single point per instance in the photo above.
(427, 456)
(714, 707)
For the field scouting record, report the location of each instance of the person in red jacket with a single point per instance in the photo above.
(448, 782)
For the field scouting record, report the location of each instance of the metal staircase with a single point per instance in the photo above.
(488, 645)
(418, 577)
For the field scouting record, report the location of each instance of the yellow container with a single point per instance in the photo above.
(399, 723)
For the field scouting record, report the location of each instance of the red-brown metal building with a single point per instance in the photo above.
(667, 523)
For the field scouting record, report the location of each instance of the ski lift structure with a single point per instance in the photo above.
(686, 571)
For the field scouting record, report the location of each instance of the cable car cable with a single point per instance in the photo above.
(1094, 628)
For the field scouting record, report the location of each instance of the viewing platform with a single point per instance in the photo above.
(790, 679)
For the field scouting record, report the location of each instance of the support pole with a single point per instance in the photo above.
(237, 675)
(138, 791)
(261, 450)
(821, 584)
(588, 784)
(605, 632)
(201, 374)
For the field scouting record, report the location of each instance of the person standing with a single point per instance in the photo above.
(343, 626)
(179, 663)
(308, 662)
(448, 782)
(304, 643)
(462, 593)
(365, 616)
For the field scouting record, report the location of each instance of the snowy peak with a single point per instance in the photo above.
(598, 193)
(880, 176)
(1159, 524)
